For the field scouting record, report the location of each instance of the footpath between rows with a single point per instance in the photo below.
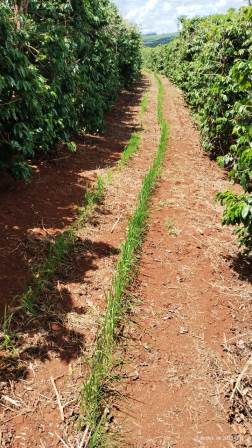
(190, 334)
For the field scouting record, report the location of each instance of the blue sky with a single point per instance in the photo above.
(161, 15)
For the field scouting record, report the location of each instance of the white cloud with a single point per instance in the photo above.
(222, 3)
(161, 15)
(167, 7)
(142, 11)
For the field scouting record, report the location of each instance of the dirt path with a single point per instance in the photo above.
(57, 343)
(31, 215)
(191, 333)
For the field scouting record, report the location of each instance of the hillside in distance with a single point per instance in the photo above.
(153, 40)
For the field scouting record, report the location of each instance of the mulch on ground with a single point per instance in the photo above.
(195, 305)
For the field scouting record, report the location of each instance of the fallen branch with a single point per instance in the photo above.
(237, 384)
(10, 400)
(61, 409)
(116, 223)
(62, 440)
(85, 439)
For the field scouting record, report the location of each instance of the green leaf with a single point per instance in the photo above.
(71, 146)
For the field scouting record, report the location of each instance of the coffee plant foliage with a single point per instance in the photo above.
(238, 213)
(62, 64)
(211, 61)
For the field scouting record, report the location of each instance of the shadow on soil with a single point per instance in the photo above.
(243, 266)
(46, 334)
(31, 218)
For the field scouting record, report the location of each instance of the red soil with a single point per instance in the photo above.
(192, 289)
(56, 343)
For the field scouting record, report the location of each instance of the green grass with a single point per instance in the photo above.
(61, 247)
(161, 92)
(130, 149)
(93, 405)
(134, 142)
(7, 340)
(144, 104)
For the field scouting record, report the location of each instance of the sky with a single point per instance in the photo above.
(160, 16)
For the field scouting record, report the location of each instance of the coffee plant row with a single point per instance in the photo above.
(211, 61)
(62, 63)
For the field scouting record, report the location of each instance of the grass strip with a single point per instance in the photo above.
(61, 247)
(160, 101)
(65, 242)
(144, 104)
(93, 393)
(134, 142)
(130, 149)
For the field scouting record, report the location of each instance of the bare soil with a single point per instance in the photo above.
(190, 335)
(55, 346)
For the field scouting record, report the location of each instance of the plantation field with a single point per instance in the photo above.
(125, 292)
(153, 40)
